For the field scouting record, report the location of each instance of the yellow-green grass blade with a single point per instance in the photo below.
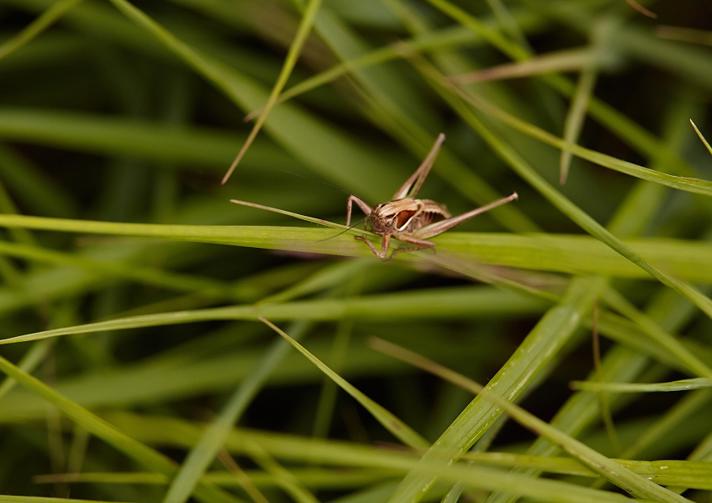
(693, 474)
(203, 453)
(6, 498)
(289, 62)
(701, 136)
(617, 122)
(665, 340)
(570, 254)
(100, 428)
(300, 449)
(315, 478)
(580, 217)
(28, 363)
(36, 27)
(616, 473)
(689, 184)
(620, 363)
(626, 362)
(395, 426)
(332, 452)
(576, 116)
(146, 275)
(440, 303)
(338, 156)
(627, 387)
(527, 365)
(283, 477)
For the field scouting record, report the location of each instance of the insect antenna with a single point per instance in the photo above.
(298, 216)
(350, 227)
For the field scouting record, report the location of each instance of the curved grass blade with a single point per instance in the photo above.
(576, 116)
(615, 121)
(5, 498)
(340, 158)
(292, 56)
(308, 450)
(580, 217)
(617, 474)
(559, 61)
(213, 438)
(390, 422)
(135, 450)
(569, 254)
(146, 275)
(701, 136)
(688, 184)
(627, 387)
(36, 27)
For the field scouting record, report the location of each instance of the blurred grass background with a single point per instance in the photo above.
(114, 115)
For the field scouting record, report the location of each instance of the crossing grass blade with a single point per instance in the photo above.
(614, 387)
(701, 136)
(570, 254)
(617, 474)
(390, 422)
(291, 59)
(135, 450)
(34, 29)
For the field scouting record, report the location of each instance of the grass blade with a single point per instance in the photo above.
(139, 452)
(617, 474)
(213, 438)
(394, 425)
(291, 59)
(627, 387)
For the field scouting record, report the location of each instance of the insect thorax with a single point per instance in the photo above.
(404, 215)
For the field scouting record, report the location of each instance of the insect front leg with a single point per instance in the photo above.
(418, 244)
(383, 252)
(349, 204)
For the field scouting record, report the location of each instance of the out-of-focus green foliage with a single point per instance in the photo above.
(139, 358)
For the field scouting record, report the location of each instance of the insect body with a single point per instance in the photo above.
(412, 220)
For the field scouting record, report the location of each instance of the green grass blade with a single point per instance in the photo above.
(137, 451)
(665, 340)
(291, 59)
(701, 137)
(339, 157)
(206, 449)
(295, 449)
(5, 498)
(575, 117)
(689, 184)
(36, 27)
(569, 254)
(626, 387)
(390, 422)
(523, 169)
(146, 275)
(617, 474)
(439, 302)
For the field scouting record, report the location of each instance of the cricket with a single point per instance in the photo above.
(410, 220)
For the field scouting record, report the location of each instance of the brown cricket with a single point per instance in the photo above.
(412, 220)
